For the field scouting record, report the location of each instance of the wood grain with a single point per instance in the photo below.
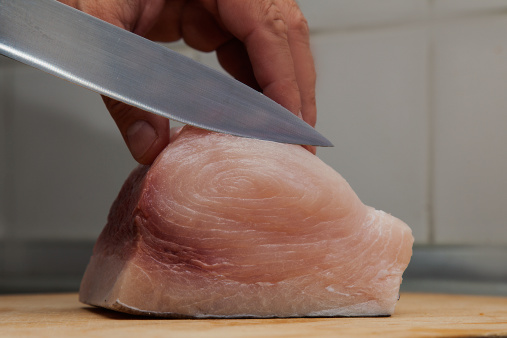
(417, 315)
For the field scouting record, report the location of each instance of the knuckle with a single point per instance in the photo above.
(300, 24)
(274, 18)
(296, 19)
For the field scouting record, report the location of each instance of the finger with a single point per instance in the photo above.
(200, 29)
(165, 27)
(145, 134)
(298, 35)
(312, 149)
(262, 27)
(299, 41)
(233, 57)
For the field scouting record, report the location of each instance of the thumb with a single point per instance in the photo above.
(145, 134)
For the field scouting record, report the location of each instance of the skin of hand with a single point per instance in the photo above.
(263, 43)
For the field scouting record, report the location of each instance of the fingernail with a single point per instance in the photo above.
(140, 137)
(300, 115)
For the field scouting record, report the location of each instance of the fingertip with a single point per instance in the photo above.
(145, 141)
(312, 149)
(140, 137)
(144, 133)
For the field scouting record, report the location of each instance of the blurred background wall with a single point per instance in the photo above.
(413, 93)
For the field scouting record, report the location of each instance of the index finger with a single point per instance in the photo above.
(262, 27)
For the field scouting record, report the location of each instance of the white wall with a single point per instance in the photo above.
(413, 95)
(411, 92)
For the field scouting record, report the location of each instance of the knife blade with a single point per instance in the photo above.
(82, 49)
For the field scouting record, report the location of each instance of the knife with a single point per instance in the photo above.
(94, 54)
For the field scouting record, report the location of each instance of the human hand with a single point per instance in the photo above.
(263, 43)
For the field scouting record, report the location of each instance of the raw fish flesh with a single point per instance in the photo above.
(222, 226)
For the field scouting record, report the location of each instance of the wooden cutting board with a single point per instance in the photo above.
(417, 315)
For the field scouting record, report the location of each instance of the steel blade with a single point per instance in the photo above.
(80, 48)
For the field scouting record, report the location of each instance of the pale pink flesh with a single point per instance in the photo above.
(221, 226)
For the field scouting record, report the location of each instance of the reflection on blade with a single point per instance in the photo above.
(75, 46)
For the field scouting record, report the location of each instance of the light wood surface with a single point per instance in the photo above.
(417, 315)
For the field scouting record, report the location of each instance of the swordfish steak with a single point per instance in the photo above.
(222, 226)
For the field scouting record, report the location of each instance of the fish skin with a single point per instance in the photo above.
(227, 227)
